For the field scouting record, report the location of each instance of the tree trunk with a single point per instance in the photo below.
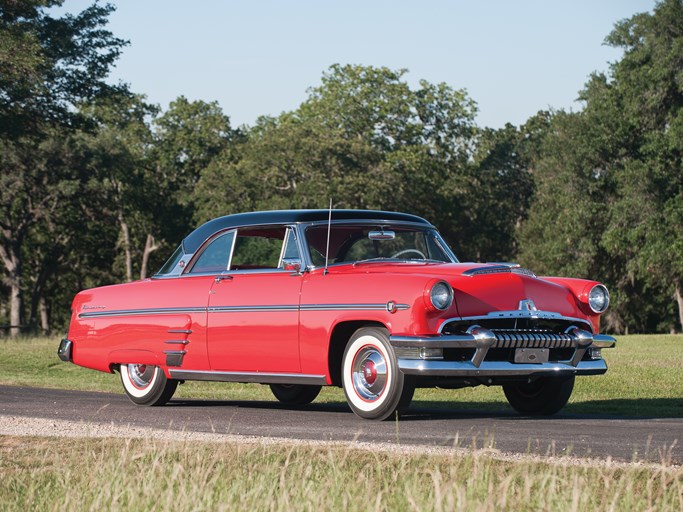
(125, 232)
(44, 316)
(11, 258)
(679, 299)
(150, 247)
(16, 306)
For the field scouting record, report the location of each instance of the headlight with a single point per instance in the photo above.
(441, 295)
(598, 299)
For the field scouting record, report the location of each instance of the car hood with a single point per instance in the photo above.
(483, 288)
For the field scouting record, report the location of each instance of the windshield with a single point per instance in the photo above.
(358, 243)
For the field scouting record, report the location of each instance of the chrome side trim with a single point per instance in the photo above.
(515, 313)
(242, 309)
(138, 312)
(498, 368)
(251, 309)
(179, 331)
(177, 342)
(251, 377)
(352, 307)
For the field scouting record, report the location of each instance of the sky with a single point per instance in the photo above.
(259, 57)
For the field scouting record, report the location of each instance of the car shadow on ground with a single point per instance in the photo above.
(625, 409)
(425, 410)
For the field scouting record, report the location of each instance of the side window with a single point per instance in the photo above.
(216, 256)
(257, 248)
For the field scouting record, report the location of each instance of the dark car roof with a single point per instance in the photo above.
(197, 237)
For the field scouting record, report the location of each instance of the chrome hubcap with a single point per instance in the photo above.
(140, 374)
(369, 373)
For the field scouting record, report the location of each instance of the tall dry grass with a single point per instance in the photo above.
(114, 474)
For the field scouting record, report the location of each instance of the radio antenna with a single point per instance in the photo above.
(329, 226)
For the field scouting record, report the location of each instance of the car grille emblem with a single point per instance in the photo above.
(527, 305)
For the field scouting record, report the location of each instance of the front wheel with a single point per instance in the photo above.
(295, 394)
(374, 386)
(146, 384)
(543, 397)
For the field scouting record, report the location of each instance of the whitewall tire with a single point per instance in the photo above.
(374, 386)
(147, 384)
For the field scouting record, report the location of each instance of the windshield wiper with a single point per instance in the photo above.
(403, 260)
(375, 260)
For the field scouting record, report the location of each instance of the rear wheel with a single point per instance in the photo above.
(146, 384)
(295, 394)
(543, 397)
(374, 386)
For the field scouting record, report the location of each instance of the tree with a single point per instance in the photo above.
(123, 163)
(188, 138)
(48, 66)
(367, 140)
(609, 198)
(647, 83)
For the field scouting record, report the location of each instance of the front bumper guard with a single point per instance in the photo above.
(482, 339)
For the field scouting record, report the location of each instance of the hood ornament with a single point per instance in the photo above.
(527, 305)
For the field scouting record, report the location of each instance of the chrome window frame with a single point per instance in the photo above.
(227, 272)
(299, 229)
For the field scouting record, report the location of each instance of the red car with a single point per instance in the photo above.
(375, 302)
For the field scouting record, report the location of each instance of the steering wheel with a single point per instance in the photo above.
(408, 251)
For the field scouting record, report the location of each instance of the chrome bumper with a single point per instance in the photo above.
(497, 368)
(64, 350)
(482, 339)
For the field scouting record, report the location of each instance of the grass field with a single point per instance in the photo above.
(112, 474)
(645, 378)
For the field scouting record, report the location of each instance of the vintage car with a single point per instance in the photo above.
(372, 301)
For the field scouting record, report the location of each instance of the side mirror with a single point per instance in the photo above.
(292, 265)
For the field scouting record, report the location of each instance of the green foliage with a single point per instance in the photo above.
(48, 66)
(609, 179)
(367, 140)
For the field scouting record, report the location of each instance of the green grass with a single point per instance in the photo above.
(645, 378)
(113, 474)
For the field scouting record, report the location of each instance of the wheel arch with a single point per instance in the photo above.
(339, 338)
(128, 356)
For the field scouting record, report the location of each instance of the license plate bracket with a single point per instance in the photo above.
(531, 355)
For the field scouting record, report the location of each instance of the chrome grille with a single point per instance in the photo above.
(531, 338)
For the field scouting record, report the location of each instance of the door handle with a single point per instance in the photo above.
(221, 278)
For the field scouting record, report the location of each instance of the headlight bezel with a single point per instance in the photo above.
(598, 304)
(439, 288)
